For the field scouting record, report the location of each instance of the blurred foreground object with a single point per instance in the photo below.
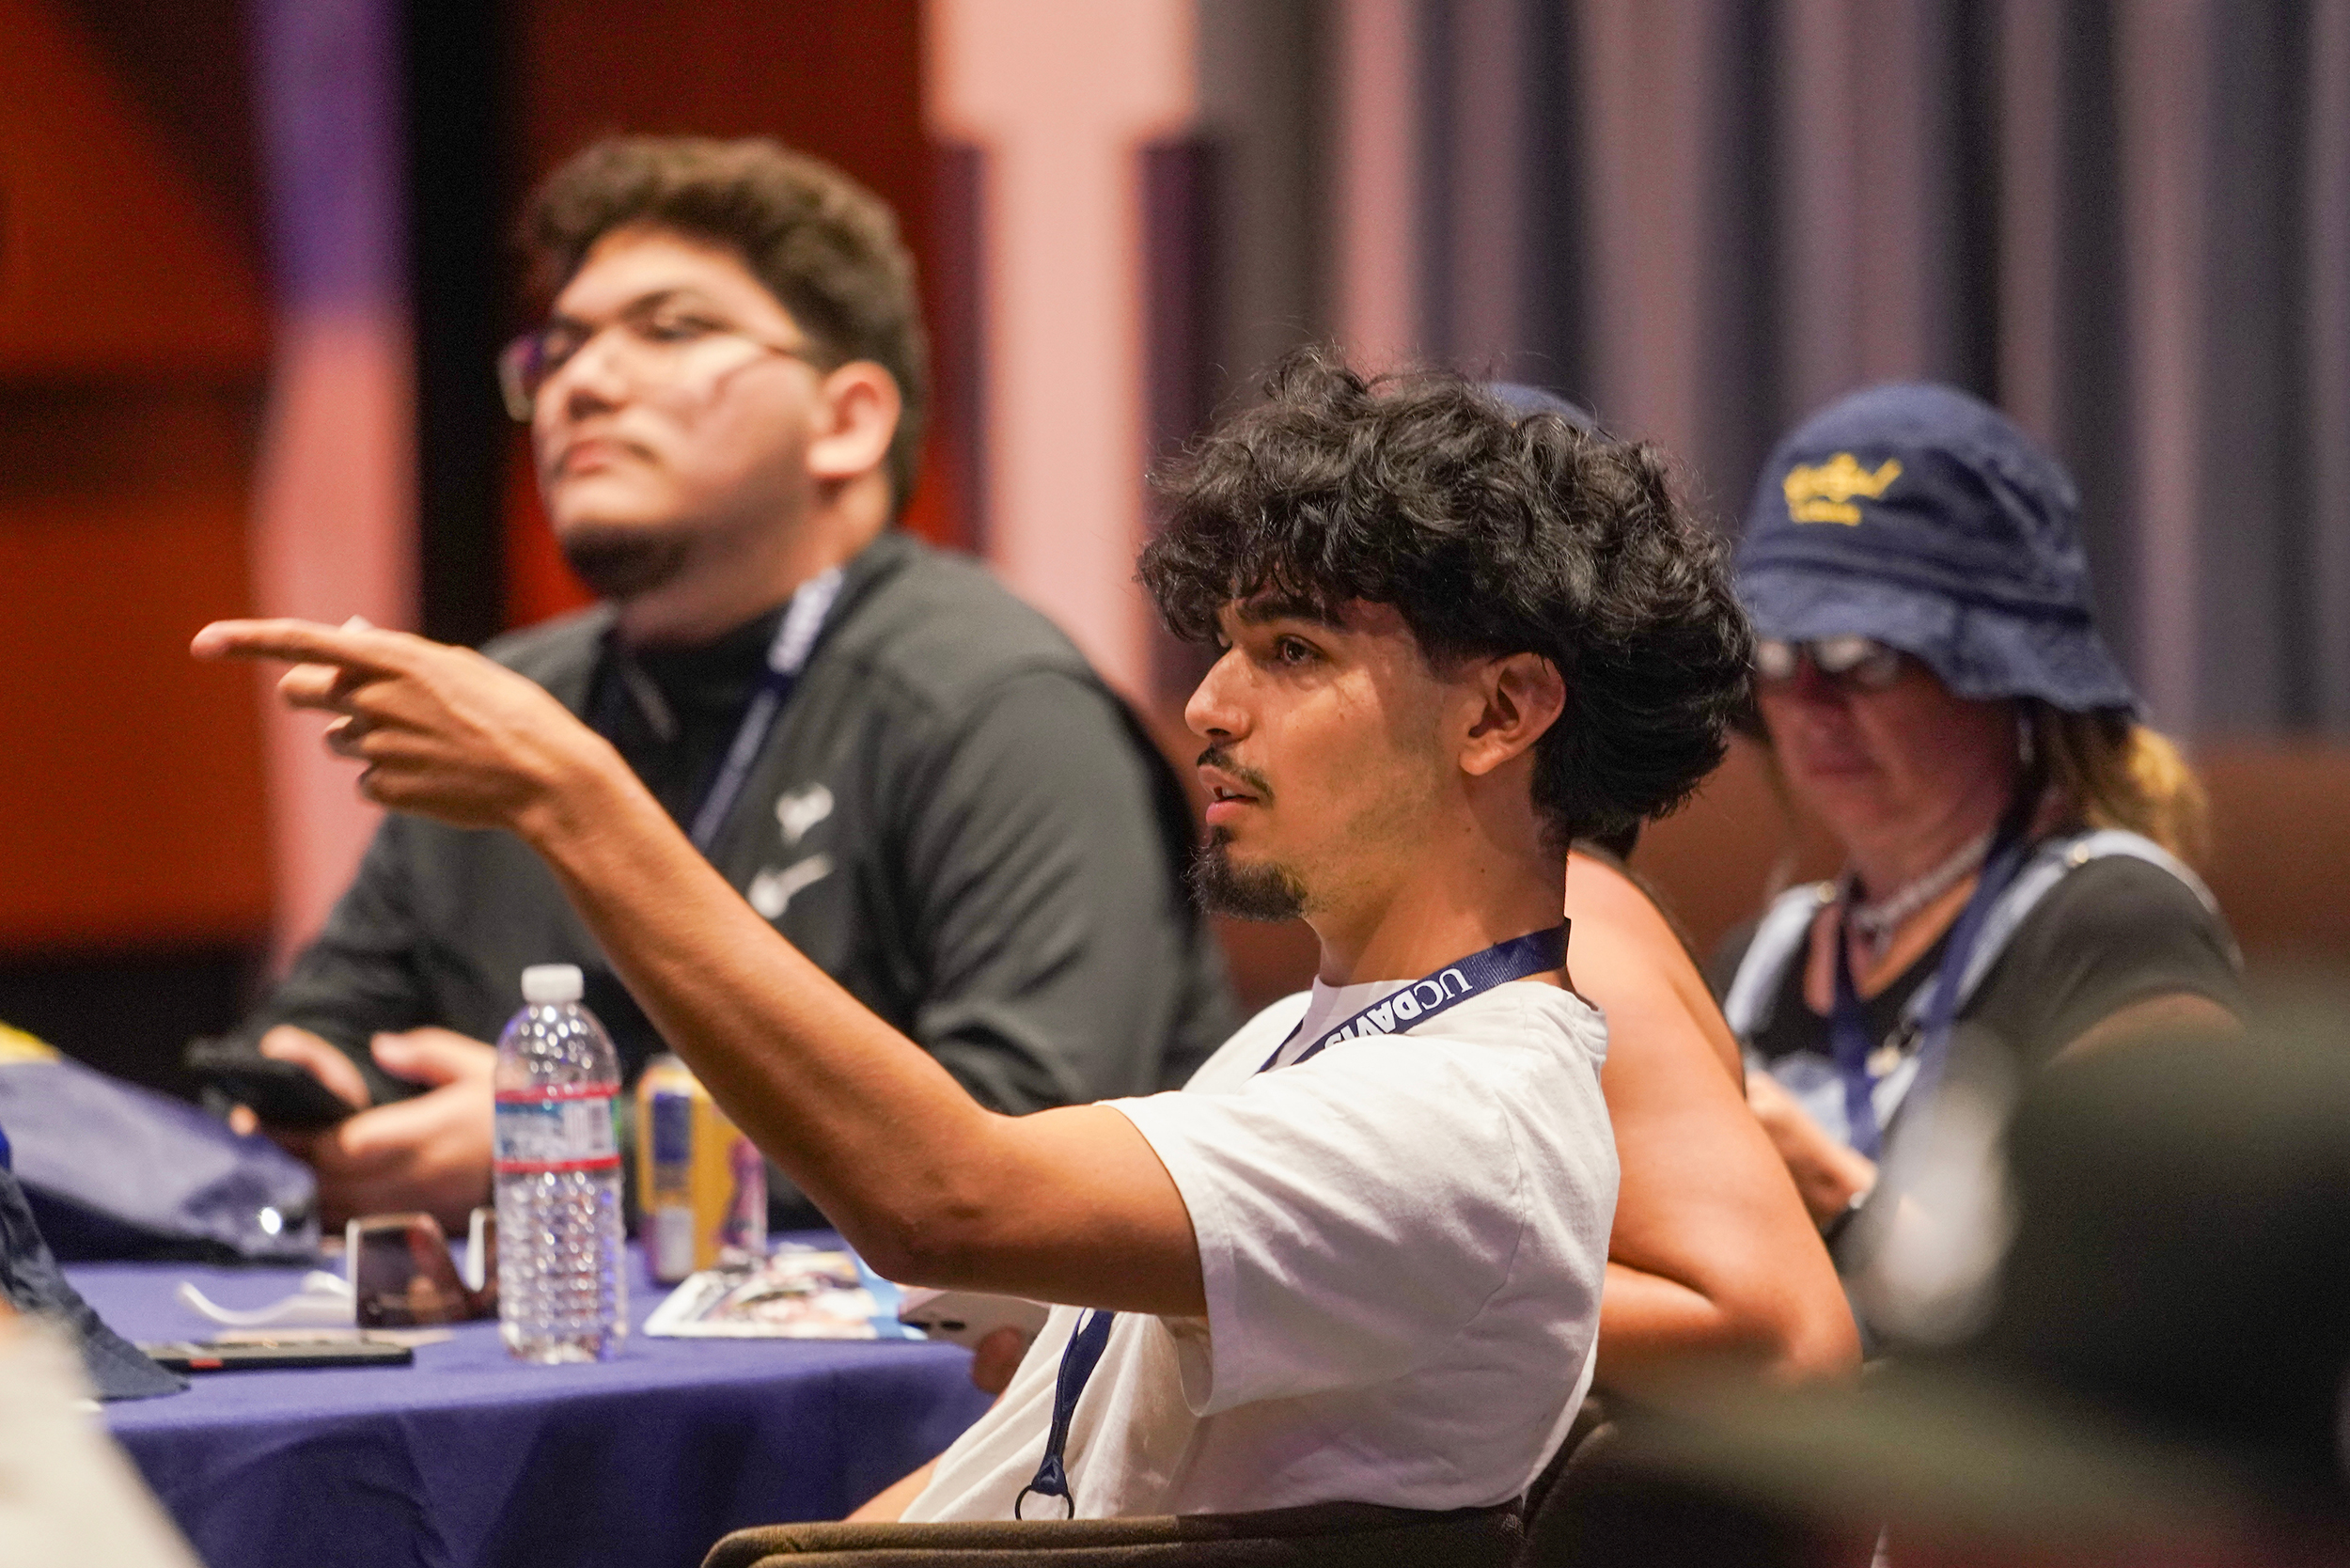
(2162, 1375)
(66, 1498)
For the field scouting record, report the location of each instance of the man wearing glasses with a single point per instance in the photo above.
(913, 776)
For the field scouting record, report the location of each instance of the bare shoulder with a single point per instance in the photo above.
(1625, 956)
(1599, 892)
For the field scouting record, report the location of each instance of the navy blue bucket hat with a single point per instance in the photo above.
(1919, 516)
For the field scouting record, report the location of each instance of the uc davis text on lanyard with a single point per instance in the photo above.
(795, 638)
(1397, 1013)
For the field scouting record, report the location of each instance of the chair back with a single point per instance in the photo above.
(1320, 1535)
(1603, 1503)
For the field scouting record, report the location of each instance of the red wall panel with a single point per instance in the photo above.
(132, 343)
(113, 261)
(129, 775)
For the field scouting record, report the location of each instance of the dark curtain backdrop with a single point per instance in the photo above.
(2127, 222)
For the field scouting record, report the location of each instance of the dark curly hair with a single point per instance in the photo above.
(826, 247)
(1491, 534)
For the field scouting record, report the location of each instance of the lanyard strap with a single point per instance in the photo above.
(1398, 1011)
(795, 638)
(1535, 953)
(1848, 1025)
(1084, 1353)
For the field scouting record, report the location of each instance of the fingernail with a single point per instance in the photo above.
(358, 623)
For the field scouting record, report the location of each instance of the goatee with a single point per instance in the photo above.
(621, 563)
(1246, 892)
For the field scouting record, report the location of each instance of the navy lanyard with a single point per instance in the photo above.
(1402, 1008)
(1848, 1025)
(1535, 953)
(795, 638)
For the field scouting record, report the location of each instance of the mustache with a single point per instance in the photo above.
(1223, 761)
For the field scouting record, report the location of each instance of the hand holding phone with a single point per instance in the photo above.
(282, 1093)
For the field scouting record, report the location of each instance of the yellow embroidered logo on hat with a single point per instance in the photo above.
(1825, 493)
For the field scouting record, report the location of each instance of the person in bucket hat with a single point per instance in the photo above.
(1931, 686)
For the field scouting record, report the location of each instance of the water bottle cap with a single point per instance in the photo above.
(545, 984)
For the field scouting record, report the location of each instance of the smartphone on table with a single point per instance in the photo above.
(190, 1355)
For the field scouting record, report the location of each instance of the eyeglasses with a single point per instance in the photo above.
(1849, 664)
(654, 343)
(402, 1273)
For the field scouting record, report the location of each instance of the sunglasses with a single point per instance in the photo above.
(401, 1274)
(1849, 664)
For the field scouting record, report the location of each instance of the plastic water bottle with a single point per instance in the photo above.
(561, 1293)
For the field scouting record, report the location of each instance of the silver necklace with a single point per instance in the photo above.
(1877, 919)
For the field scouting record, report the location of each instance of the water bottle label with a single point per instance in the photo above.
(543, 1133)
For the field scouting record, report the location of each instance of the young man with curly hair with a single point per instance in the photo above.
(1359, 1258)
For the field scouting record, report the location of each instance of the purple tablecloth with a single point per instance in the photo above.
(470, 1458)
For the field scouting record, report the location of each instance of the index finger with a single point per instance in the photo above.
(305, 642)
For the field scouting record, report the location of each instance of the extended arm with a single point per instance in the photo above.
(1067, 1205)
(1711, 1254)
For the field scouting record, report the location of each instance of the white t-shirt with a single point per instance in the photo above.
(1402, 1239)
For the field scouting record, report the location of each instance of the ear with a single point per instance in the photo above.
(856, 419)
(1523, 696)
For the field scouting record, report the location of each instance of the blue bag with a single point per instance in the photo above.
(114, 1171)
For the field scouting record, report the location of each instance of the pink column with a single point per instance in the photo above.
(1061, 96)
(332, 532)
